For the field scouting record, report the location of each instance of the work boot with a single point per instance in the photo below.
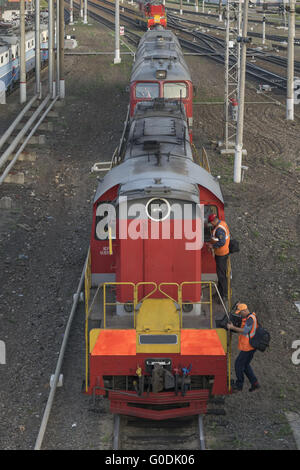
(235, 388)
(254, 386)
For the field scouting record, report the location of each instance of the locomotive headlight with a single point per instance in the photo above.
(158, 209)
(161, 74)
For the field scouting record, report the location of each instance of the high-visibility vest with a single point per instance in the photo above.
(244, 340)
(223, 250)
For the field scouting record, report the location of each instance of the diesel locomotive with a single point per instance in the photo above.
(154, 12)
(152, 344)
(160, 71)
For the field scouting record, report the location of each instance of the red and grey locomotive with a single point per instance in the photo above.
(160, 71)
(152, 345)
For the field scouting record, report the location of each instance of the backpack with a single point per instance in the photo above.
(261, 339)
(234, 246)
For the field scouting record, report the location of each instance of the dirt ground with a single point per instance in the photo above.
(44, 239)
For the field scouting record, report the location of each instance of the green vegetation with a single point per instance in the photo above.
(281, 164)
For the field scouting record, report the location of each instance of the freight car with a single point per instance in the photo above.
(152, 345)
(160, 71)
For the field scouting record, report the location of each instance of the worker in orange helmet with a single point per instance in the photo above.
(242, 362)
(219, 243)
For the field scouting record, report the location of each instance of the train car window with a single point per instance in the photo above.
(2, 59)
(175, 90)
(208, 209)
(147, 90)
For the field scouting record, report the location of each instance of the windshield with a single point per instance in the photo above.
(147, 90)
(175, 90)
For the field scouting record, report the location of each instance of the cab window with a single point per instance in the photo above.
(175, 90)
(208, 209)
(147, 90)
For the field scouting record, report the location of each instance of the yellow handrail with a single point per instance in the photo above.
(110, 240)
(104, 296)
(169, 284)
(137, 301)
(87, 290)
(210, 283)
(228, 274)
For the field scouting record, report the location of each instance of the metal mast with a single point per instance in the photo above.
(232, 68)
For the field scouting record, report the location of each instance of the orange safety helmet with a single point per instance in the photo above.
(241, 307)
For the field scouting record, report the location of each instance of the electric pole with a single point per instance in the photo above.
(242, 81)
(71, 13)
(290, 71)
(85, 12)
(61, 50)
(117, 58)
(37, 49)
(22, 53)
(50, 46)
(57, 46)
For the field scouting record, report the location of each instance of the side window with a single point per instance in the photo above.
(208, 209)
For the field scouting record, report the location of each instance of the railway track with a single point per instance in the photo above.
(29, 126)
(195, 42)
(214, 42)
(56, 377)
(180, 434)
(211, 15)
(271, 37)
(217, 47)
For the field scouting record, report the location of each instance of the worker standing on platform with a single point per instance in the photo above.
(219, 243)
(242, 363)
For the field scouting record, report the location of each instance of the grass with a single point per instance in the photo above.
(281, 164)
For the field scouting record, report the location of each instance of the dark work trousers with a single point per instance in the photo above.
(242, 366)
(221, 265)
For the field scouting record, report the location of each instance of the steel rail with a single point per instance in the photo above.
(51, 396)
(4, 157)
(253, 70)
(201, 432)
(116, 432)
(14, 160)
(116, 439)
(13, 125)
(132, 37)
(271, 37)
(251, 20)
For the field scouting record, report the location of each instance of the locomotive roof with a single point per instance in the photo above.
(170, 176)
(159, 50)
(159, 128)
